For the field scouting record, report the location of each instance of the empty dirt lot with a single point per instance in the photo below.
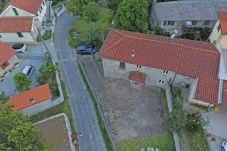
(131, 113)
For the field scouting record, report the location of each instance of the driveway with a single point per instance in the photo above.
(34, 56)
(84, 115)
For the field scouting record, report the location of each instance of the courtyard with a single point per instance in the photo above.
(131, 113)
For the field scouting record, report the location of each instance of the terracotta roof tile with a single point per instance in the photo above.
(191, 58)
(223, 21)
(137, 76)
(31, 6)
(15, 24)
(30, 97)
(5, 52)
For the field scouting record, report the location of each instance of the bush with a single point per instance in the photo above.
(3, 98)
(47, 35)
(189, 33)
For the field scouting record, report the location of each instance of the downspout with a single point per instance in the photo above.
(220, 91)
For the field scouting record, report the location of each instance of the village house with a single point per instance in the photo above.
(35, 8)
(160, 61)
(8, 60)
(15, 29)
(32, 101)
(175, 15)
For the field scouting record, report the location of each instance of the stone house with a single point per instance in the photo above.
(8, 59)
(160, 61)
(18, 29)
(32, 101)
(175, 15)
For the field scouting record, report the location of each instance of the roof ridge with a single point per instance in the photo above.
(134, 37)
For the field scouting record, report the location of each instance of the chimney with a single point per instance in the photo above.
(133, 53)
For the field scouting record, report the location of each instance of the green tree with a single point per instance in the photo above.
(47, 71)
(16, 132)
(132, 15)
(76, 6)
(3, 98)
(21, 81)
(113, 4)
(91, 11)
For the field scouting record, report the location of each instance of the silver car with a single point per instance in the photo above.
(224, 145)
(19, 48)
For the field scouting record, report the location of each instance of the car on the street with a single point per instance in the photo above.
(224, 145)
(19, 48)
(86, 50)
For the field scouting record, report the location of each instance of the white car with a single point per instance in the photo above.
(224, 145)
(19, 48)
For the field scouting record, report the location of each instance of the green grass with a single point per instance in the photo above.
(164, 102)
(101, 123)
(47, 35)
(64, 107)
(164, 142)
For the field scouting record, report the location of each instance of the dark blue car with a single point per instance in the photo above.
(85, 50)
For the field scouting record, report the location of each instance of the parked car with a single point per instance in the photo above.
(85, 50)
(224, 145)
(28, 70)
(19, 48)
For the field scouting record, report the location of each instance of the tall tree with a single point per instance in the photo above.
(91, 11)
(113, 4)
(16, 132)
(21, 81)
(132, 15)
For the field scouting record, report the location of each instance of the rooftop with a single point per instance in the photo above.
(186, 57)
(30, 97)
(15, 24)
(6, 52)
(222, 15)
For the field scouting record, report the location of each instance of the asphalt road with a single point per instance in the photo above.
(80, 100)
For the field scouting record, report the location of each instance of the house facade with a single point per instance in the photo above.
(34, 8)
(18, 29)
(156, 60)
(176, 15)
(8, 59)
(32, 101)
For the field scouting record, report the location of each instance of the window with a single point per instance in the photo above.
(0, 36)
(139, 66)
(164, 23)
(4, 65)
(165, 71)
(168, 23)
(206, 22)
(15, 11)
(19, 34)
(41, 8)
(219, 27)
(122, 65)
(161, 81)
(194, 22)
(43, 2)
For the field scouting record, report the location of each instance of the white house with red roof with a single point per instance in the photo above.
(15, 29)
(158, 60)
(8, 59)
(34, 8)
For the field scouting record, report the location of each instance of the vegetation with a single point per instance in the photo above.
(21, 81)
(164, 142)
(113, 4)
(3, 98)
(55, 2)
(47, 35)
(101, 121)
(196, 33)
(91, 11)
(16, 132)
(64, 107)
(3, 4)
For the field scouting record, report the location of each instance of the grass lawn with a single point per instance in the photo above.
(64, 107)
(164, 142)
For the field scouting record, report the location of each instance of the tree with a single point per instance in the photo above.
(113, 4)
(16, 132)
(3, 98)
(21, 81)
(132, 15)
(47, 71)
(91, 11)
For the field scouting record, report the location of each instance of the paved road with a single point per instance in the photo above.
(83, 110)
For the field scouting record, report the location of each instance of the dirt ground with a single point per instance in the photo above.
(54, 134)
(131, 113)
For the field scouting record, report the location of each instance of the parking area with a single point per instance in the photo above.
(34, 56)
(131, 113)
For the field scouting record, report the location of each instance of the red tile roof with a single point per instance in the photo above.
(137, 76)
(31, 6)
(30, 97)
(5, 52)
(186, 57)
(15, 24)
(223, 21)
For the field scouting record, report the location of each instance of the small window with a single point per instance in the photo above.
(15, 11)
(219, 27)
(0, 36)
(161, 81)
(43, 2)
(165, 71)
(41, 8)
(206, 22)
(20, 34)
(122, 65)
(194, 22)
(172, 23)
(139, 66)
(164, 23)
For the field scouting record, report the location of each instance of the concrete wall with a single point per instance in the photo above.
(111, 69)
(9, 12)
(12, 60)
(13, 37)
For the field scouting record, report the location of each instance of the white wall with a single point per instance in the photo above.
(13, 38)
(12, 60)
(9, 12)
